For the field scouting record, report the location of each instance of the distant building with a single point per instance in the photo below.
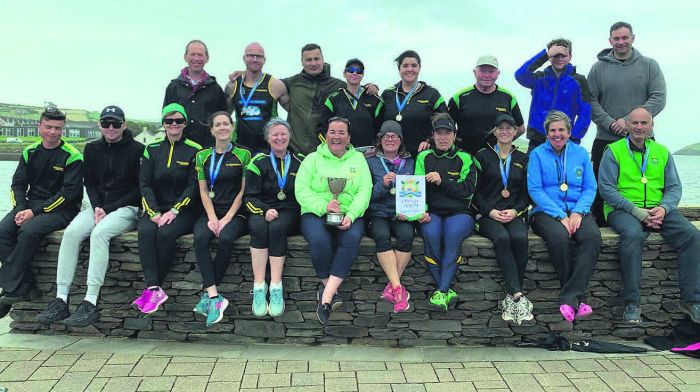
(20, 127)
(148, 136)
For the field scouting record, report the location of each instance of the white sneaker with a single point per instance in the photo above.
(523, 310)
(508, 308)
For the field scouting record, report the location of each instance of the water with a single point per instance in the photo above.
(688, 169)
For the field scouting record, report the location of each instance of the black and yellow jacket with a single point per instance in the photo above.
(48, 180)
(228, 182)
(364, 121)
(488, 193)
(458, 180)
(261, 187)
(167, 176)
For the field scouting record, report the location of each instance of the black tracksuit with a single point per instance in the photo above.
(364, 120)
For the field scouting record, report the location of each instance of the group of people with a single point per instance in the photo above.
(330, 173)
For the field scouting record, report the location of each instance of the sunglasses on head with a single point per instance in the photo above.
(114, 123)
(178, 121)
(355, 70)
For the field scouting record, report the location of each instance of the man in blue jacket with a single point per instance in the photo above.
(557, 87)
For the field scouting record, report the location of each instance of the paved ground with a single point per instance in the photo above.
(62, 363)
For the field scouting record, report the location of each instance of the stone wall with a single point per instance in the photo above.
(363, 317)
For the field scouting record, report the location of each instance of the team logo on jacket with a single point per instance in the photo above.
(500, 109)
(654, 160)
(423, 101)
(183, 163)
(58, 168)
(578, 170)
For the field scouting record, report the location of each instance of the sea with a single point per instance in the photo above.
(688, 169)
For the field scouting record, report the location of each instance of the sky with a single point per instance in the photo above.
(90, 54)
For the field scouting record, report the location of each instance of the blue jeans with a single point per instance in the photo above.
(333, 251)
(678, 232)
(442, 238)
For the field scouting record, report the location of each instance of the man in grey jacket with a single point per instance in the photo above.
(621, 80)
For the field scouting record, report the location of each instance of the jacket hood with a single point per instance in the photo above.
(325, 73)
(607, 56)
(324, 151)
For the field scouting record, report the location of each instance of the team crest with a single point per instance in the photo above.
(578, 170)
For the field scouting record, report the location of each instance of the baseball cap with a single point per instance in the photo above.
(112, 111)
(487, 60)
(390, 126)
(355, 61)
(444, 123)
(504, 117)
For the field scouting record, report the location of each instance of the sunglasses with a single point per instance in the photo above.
(114, 123)
(178, 121)
(355, 70)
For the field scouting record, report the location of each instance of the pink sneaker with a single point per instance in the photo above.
(567, 312)
(158, 297)
(584, 310)
(388, 293)
(401, 297)
(142, 299)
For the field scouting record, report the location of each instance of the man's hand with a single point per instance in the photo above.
(433, 177)
(23, 217)
(557, 50)
(371, 88)
(235, 75)
(423, 146)
(166, 218)
(619, 127)
(657, 215)
(99, 214)
(156, 219)
(271, 215)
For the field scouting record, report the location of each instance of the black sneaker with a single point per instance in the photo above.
(85, 314)
(691, 309)
(22, 294)
(336, 302)
(323, 312)
(632, 315)
(57, 310)
(4, 310)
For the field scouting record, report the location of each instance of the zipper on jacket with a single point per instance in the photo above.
(170, 154)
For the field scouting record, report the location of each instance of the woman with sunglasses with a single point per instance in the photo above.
(562, 186)
(333, 240)
(502, 201)
(412, 103)
(354, 103)
(450, 178)
(391, 160)
(220, 174)
(168, 185)
(273, 214)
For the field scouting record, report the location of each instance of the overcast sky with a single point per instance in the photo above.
(89, 54)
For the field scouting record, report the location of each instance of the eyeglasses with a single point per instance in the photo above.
(355, 70)
(390, 136)
(254, 56)
(116, 124)
(53, 113)
(178, 121)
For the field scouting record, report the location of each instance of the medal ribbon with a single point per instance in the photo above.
(281, 178)
(505, 167)
(241, 90)
(645, 160)
(386, 168)
(561, 168)
(215, 167)
(354, 100)
(402, 104)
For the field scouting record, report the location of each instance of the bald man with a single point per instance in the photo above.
(641, 189)
(254, 96)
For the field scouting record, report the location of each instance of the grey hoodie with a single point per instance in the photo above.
(617, 87)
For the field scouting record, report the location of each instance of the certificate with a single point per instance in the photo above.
(410, 196)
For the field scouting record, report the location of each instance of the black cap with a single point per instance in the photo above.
(390, 126)
(355, 61)
(114, 112)
(504, 117)
(444, 123)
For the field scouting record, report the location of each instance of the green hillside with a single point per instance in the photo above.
(693, 149)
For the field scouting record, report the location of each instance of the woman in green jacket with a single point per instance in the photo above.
(333, 247)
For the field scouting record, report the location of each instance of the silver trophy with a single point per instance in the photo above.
(336, 186)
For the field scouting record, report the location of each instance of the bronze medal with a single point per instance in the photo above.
(644, 180)
(505, 194)
(211, 194)
(563, 187)
(399, 117)
(281, 196)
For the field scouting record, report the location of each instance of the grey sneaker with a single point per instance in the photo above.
(85, 314)
(523, 310)
(57, 310)
(508, 308)
(691, 309)
(633, 314)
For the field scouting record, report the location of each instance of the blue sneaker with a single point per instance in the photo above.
(216, 309)
(276, 302)
(259, 301)
(202, 305)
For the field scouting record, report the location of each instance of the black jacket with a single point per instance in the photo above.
(199, 105)
(48, 180)
(261, 186)
(488, 193)
(167, 176)
(112, 172)
(457, 180)
(364, 121)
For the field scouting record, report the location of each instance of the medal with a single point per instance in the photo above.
(399, 117)
(211, 194)
(561, 169)
(644, 180)
(245, 101)
(402, 104)
(563, 187)
(281, 196)
(645, 161)
(281, 177)
(392, 191)
(505, 194)
(215, 167)
(504, 167)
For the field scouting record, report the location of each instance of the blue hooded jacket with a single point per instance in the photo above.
(568, 93)
(544, 179)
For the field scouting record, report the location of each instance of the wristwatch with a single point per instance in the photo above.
(175, 211)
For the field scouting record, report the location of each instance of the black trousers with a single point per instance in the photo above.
(157, 244)
(213, 270)
(510, 243)
(597, 151)
(381, 229)
(573, 273)
(19, 243)
(273, 235)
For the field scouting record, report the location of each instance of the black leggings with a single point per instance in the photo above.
(273, 235)
(157, 244)
(213, 270)
(510, 243)
(381, 229)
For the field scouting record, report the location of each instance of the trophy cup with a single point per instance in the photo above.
(336, 186)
